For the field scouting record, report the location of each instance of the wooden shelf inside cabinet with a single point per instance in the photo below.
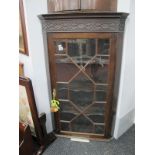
(99, 59)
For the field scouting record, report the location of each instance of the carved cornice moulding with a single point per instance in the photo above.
(83, 22)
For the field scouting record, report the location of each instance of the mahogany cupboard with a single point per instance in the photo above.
(84, 50)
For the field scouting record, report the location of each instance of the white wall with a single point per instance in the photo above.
(34, 64)
(126, 100)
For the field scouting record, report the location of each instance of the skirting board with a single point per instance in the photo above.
(122, 124)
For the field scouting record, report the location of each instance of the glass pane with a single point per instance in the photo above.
(62, 59)
(97, 72)
(65, 70)
(101, 93)
(82, 124)
(81, 50)
(66, 106)
(81, 82)
(65, 126)
(103, 46)
(96, 113)
(96, 109)
(60, 47)
(62, 91)
(81, 98)
(66, 116)
(99, 129)
(100, 96)
(96, 118)
(81, 91)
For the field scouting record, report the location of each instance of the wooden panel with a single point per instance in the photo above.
(71, 5)
(60, 5)
(102, 5)
(113, 5)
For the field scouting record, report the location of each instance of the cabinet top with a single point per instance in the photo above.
(83, 21)
(82, 14)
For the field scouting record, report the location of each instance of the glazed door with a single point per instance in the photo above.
(82, 72)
